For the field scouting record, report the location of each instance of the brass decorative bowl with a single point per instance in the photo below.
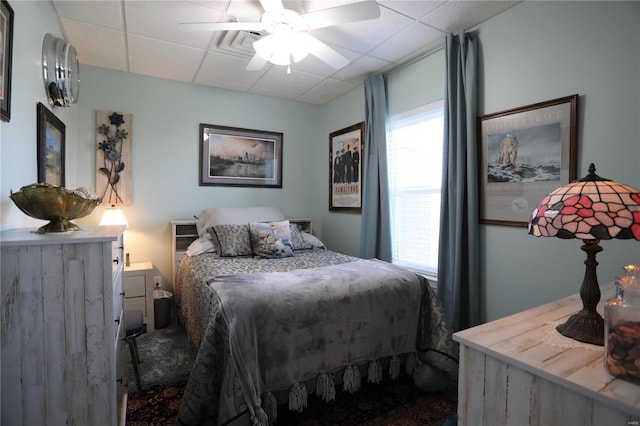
(56, 204)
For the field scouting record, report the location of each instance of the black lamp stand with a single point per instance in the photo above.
(587, 325)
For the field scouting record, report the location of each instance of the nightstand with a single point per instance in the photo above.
(138, 291)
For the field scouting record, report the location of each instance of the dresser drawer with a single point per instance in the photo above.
(135, 286)
(137, 303)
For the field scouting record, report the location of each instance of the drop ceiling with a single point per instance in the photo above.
(142, 37)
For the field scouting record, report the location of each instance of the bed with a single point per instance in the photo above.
(276, 316)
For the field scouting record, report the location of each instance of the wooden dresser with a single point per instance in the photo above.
(62, 357)
(519, 371)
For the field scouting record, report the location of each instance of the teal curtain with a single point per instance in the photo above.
(458, 263)
(375, 240)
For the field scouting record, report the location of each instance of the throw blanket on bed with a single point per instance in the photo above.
(332, 316)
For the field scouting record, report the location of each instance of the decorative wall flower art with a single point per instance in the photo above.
(113, 160)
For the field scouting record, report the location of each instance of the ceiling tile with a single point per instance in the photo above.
(287, 85)
(405, 42)
(412, 8)
(364, 35)
(162, 59)
(326, 91)
(455, 16)
(360, 69)
(226, 71)
(245, 11)
(166, 17)
(97, 45)
(106, 13)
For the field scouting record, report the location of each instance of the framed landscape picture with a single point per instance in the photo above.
(346, 147)
(525, 153)
(232, 156)
(51, 146)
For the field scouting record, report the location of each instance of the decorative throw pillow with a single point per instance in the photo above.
(271, 240)
(233, 240)
(207, 244)
(313, 240)
(297, 240)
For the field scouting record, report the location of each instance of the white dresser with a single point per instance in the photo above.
(519, 370)
(62, 357)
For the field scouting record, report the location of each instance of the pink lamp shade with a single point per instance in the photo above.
(591, 209)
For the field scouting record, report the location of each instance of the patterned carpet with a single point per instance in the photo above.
(390, 403)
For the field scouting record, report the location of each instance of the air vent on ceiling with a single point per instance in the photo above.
(239, 43)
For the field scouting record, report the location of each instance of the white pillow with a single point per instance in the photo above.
(202, 245)
(313, 240)
(210, 217)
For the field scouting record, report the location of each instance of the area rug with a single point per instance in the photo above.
(166, 357)
(169, 356)
(388, 404)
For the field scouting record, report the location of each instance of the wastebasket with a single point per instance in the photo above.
(162, 301)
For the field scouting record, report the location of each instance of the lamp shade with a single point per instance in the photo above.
(113, 216)
(592, 208)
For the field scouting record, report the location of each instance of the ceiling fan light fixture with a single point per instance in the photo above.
(280, 49)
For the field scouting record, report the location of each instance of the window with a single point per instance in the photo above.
(414, 150)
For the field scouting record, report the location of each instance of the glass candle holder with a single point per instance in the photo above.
(622, 330)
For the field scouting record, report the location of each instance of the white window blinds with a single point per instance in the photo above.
(414, 150)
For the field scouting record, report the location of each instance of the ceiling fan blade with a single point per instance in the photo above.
(220, 26)
(256, 63)
(272, 5)
(361, 11)
(323, 52)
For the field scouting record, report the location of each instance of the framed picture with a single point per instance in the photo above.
(240, 157)
(6, 54)
(346, 148)
(524, 154)
(51, 142)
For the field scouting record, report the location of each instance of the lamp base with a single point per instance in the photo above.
(584, 326)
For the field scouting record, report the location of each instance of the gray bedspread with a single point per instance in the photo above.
(268, 325)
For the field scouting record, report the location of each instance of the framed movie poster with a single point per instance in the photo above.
(346, 147)
(524, 154)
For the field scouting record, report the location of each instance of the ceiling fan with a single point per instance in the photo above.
(288, 38)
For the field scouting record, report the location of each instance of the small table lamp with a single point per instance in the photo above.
(591, 209)
(113, 216)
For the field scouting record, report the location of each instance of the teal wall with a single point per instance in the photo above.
(533, 52)
(165, 152)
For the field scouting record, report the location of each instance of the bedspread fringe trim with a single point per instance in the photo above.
(351, 379)
(326, 388)
(298, 397)
(394, 367)
(270, 406)
(413, 364)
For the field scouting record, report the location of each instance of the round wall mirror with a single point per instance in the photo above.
(60, 71)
